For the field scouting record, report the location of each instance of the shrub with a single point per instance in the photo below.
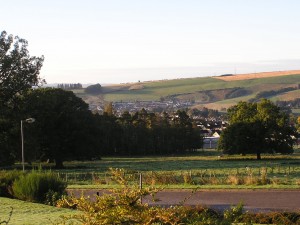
(124, 206)
(156, 178)
(34, 186)
(234, 180)
(234, 213)
(286, 218)
(187, 177)
(6, 181)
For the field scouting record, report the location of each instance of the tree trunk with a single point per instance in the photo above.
(258, 157)
(59, 164)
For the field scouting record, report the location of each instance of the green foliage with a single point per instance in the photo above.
(257, 128)
(52, 197)
(234, 213)
(36, 187)
(144, 133)
(124, 206)
(94, 89)
(64, 127)
(7, 179)
(18, 70)
(286, 218)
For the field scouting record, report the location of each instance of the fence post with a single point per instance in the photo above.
(141, 187)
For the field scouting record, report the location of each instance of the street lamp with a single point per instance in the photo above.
(29, 120)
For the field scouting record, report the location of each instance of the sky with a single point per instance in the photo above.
(118, 41)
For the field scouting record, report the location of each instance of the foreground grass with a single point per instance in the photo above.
(30, 213)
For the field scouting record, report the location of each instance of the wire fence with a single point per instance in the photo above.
(276, 174)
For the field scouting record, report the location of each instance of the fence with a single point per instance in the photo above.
(276, 174)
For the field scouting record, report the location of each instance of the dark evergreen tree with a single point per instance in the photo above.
(64, 126)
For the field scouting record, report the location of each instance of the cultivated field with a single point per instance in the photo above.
(203, 90)
(258, 75)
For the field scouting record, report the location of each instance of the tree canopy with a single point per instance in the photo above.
(64, 125)
(94, 89)
(257, 128)
(18, 70)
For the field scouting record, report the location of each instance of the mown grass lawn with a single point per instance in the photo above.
(27, 213)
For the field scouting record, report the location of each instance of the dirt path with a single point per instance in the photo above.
(253, 200)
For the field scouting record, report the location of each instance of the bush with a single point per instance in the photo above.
(124, 206)
(38, 186)
(6, 181)
(286, 218)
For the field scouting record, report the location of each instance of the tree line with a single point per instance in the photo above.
(70, 86)
(65, 129)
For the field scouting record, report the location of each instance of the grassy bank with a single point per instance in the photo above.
(30, 213)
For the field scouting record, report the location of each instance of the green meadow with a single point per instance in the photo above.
(204, 169)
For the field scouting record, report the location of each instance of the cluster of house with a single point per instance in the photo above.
(211, 131)
(150, 106)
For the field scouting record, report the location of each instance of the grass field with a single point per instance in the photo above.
(30, 213)
(205, 168)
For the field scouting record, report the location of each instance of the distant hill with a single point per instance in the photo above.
(216, 92)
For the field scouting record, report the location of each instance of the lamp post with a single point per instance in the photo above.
(29, 120)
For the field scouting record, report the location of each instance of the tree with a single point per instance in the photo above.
(94, 89)
(18, 73)
(257, 128)
(18, 70)
(64, 126)
(7, 143)
(298, 124)
(109, 109)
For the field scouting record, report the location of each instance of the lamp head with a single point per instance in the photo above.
(30, 120)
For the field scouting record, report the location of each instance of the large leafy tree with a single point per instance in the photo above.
(18, 72)
(64, 127)
(257, 128)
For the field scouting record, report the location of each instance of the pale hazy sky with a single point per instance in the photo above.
(115, 41)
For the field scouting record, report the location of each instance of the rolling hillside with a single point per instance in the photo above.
(212, 92)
